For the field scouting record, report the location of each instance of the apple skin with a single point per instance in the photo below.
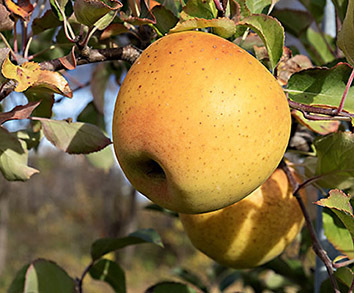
(199, 123)
(252, 231)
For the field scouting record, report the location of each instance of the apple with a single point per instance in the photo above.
(199, 123)
(252, 231)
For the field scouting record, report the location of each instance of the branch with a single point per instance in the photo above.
(316, 245)
(86, 56)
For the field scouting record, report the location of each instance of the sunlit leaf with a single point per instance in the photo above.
(103, 159)
(25, 75)
(46, 276)
(54, 82)
(321, 86)
(339, 203)
(19, 112)
(105, 245)
(257, 6)
(270, 31)
(109, 272)
(224, 27)
(199, 9)
(22, 8)
(14, 157)
(69, 61)
(74, 137)
(345, 36)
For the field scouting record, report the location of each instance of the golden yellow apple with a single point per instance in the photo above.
(252, 231)
(199, 123)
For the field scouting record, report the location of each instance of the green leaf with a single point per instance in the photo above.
(191, 278)
(257, 6)
(103, 159)
(270, 31)
(295, 22)
(109, 272)
(46, 276)
(14, 157)
(315, 7)
(223, 27)
(46, 21)
(337, 234)
(18, 283)
(91, 115)
(341, 8)
(345, 275)
(59, 6)
(335, 160)
(345, 36)
(339, 203)
(30, 137)
(321, 86)
(105, 245)
(74, 137)
(105, 20)
(317, 47)
(199, 9)
(47, 101)
(170, 287)
(165, 19)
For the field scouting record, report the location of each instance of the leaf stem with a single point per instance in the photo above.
(84, 273)
(345, 94)
(316, 245)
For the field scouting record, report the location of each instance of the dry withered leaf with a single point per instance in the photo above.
(19, 112)
(6, 22)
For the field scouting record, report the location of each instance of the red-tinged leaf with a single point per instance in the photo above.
(25, 75)
(22, 9)
(320, 127)
(54, 82)
(69, 61)
(6, 23)
(339, 203)
(224, 27)
(19, 112)
(14, 157)
(88, 12)
(74, 137)
(136, 20)
(114, 29)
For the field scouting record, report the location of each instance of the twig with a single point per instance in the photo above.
(84, 273)
(316, 245)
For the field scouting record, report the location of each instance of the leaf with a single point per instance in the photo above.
(105, 245)
(19, 112)
(317, 47)
(335, 161)
(25, 75)
(339, 203)
(270, 31)
(61, 6)
(69, 61)
(224, 27)
(191, 278)
(99, 80)
(47, 21)
(18, 283)
(6, 23)
(31, 137)
(320, 127)
(74, 137)
(257, 6)
(35, 94)
(13, 158)
(114, 29)
(46, 276)
(22, 9)
(199, 9)
(337, 233)
(315, 7)
(89, 12)
(345, 275)
(321, 86)
(345, 36)
(90, 114)
(170, 287)
(105, 20)
(341, 8)
(109, 272)
(54, 82)
(103, 159)
(165, 19)
(295, 22)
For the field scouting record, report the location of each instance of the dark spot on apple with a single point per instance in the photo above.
(152, 169)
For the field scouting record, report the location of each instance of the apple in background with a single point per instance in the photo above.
(199, 123)
(252, 231)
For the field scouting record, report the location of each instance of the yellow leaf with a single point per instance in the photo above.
(25, 75)
(53, 81)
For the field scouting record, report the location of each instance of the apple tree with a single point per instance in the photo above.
(45, 43)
